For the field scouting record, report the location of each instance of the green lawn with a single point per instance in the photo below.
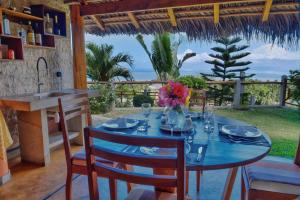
(282, 125)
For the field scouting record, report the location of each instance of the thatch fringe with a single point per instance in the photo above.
(283, 27)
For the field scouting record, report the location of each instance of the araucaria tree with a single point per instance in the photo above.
(226, 63)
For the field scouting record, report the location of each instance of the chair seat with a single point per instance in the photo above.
(273, 177)
(79, 159)
(144, 194)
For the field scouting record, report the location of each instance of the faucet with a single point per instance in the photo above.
(38, 71)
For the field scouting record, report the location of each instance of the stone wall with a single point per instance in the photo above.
(20, 77)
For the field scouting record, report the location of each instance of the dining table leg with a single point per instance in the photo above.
(229, 183)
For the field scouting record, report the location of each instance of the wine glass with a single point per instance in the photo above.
(146, 109)
(187, 132)
(209, 122)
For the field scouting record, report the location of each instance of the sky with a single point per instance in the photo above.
(269, 62)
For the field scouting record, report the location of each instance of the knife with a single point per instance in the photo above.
(199, 155)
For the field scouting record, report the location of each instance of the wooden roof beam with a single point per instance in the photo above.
(133, 20)
(216, 13)
(267, 9)
(142, 5)
(99, 22)
(172, 17)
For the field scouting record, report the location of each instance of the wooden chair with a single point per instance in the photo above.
(272, 180)
(163, 162)
(69, 108)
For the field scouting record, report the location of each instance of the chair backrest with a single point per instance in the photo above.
(70, 107)
(198, 98)
(297, 158)
(176, 162)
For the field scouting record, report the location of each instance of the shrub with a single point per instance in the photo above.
(264, 94)
(192, 82)
(138, 100)
(295, 80)
(103, 103)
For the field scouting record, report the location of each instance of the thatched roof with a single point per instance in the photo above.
(205, 22)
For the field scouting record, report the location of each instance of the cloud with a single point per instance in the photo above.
(272, 52)
(200, 57)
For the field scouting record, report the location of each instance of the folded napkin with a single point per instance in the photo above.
(5, 137)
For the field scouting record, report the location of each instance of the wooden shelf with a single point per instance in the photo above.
(38, 47)
(56, 139)
(10, 36)
(14, 43)
(54, 35)
(10, 60)
(20, 15)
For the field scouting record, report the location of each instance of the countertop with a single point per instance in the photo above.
(33, 102)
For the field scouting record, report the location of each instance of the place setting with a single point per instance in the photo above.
(242, 134)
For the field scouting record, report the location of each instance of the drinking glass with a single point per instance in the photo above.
(146, 109)
(172, 120)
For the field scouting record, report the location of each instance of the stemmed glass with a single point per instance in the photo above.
(209, 119)
(187, 131)
(146, 109)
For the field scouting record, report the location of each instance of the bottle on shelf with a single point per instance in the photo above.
(48, 24)
(30, 34)
(6, 26)
(22, 33)
(38, 35)
(56, 26)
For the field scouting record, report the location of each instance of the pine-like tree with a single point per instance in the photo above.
(226, 64)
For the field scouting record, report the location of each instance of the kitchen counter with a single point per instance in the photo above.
(38, 101)
(36, 142)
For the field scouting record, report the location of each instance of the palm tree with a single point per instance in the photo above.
(163, 55)
(104, 66)
(178, 63)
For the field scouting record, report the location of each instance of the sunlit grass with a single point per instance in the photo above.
(282, 125)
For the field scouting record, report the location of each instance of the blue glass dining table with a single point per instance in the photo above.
(218, 151)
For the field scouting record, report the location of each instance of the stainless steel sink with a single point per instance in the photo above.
(50, 94)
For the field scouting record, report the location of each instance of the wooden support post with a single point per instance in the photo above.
(283, 89)
(113, 89)
(237, 94)
(79, 61)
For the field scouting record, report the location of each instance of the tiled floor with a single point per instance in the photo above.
(35, 183)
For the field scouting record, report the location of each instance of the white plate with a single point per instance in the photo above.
(120, 123)
(241, 131)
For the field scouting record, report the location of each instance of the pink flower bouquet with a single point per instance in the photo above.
(174, 95)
